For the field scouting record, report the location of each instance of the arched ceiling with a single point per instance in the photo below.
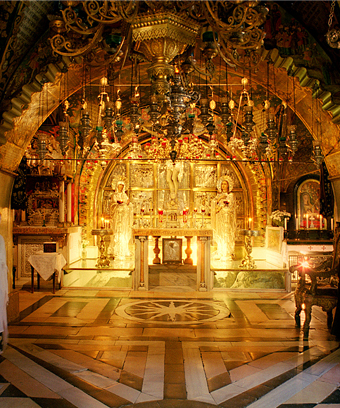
(25, 68)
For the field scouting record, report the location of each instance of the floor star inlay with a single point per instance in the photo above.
(173, 311)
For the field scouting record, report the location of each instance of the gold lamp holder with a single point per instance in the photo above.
(248, 261)
(160, 38)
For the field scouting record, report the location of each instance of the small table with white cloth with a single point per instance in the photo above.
(46, 264)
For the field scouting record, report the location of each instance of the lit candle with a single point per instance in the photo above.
(296, 223)
(102, 222)
(332, 224)
(249, 222)
(286, 220)
(160, 215)
(320, 222)
(307, 221)
(185, 218)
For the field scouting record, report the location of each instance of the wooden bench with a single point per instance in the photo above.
(317, 286)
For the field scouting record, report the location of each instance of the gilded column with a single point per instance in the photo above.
(204, 279)
(141, 275)
(143, 283)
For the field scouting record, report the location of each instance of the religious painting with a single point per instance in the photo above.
(172, 250)
(308, 202)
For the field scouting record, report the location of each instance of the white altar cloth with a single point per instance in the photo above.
(47, 263)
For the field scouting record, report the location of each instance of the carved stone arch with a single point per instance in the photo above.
(23, 119)
(25, 116)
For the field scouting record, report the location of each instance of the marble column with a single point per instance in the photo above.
(141, 273)
(204, 275)
(61, 201)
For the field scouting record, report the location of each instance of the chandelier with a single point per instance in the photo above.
(101, 28)
(109, 33)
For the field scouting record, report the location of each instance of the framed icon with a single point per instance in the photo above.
(172, 250)
(309, 204)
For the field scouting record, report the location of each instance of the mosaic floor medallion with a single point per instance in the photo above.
(173, 311)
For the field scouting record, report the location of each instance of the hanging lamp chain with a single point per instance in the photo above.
(331, 15)
(333, 34)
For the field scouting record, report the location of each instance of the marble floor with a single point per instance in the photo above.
(97, 348)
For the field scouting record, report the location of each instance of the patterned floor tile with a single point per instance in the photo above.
(167, 350)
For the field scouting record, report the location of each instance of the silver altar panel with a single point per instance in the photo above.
(205, 175)
(142, 175)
